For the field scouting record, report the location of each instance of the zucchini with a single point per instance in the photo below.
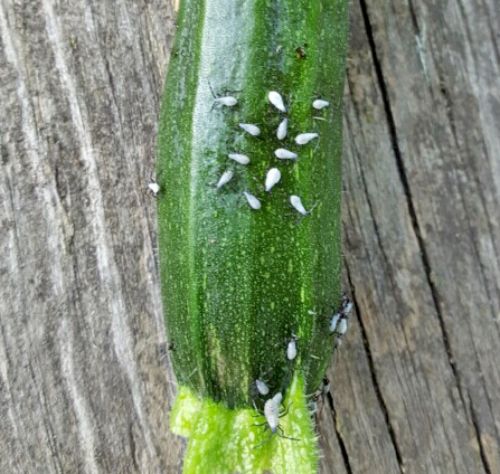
(249, 234)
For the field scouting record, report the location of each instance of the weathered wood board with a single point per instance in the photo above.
(85, 385)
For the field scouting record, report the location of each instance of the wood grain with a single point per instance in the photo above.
(85, 384)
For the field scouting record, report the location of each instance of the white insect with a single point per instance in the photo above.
(154, 188)
(272, 410)
(305, 138)
(250, 128)
(334, 322)
(262, 387)
(283, 154)
(276, 99)
(272, 178)
(282, 129)
(253, 202)
(296, 202)
(342, 327)
(239, 158)
(319, 104)
(228, 101)
(313, 407)
(272, 418)
(347, 308)
(291, 350)
(225, 178)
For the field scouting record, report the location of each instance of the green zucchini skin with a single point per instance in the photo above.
(237, 283)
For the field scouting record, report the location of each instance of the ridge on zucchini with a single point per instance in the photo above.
(249, 172)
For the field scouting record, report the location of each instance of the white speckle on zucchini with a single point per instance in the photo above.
(305, 138)
(272, 178)
(250, 128)
(253, 202)
(283, 154)
(319, 104)
(225, 178)
(296, 202)
(282, 129)
(276, 99)
(239, 158)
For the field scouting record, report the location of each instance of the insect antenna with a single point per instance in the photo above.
(264, 442)
(281, 434)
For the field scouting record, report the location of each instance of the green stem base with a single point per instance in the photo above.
(229, 441)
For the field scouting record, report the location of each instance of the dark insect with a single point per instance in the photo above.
(301, 51)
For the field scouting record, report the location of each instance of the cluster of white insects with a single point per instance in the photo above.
(321, 393)
(273, 175)
(272, 406)
(273, 409)
(339, 321)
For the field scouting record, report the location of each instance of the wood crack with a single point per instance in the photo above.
(413, 15)
(49, 432)
(408, 195)
(492, 32)
(133, 447)
(340, 439)
(371, 365)
(477, 430)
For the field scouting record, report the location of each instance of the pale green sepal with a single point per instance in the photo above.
(230, 441)
(185, 412)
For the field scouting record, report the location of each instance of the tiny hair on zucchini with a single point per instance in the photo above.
(249, 226)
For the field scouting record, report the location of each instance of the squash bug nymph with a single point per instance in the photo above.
(272, 411)
(272, 414)
(283, 154)
(305, 138)
(320, 104)
(282, 129)
(276, 99)
(253, 202)
(272, 178)
(250, 128)
(262, 387)
(239, 158)
(296, 203)
(228, 101)
(154, 188)
(334, 322)
(291, 349)
(225, 178)
(342, 327)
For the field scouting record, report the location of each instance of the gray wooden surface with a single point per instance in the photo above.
(85, 385)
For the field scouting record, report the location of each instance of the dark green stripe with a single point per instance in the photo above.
(173, 175)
